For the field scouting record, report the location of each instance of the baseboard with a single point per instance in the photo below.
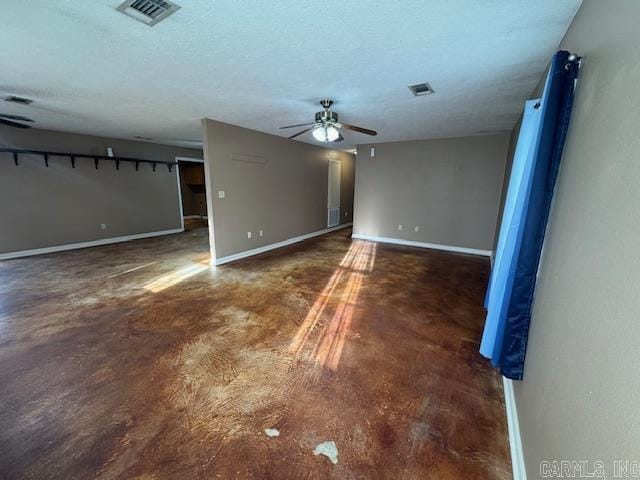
(411, 243)
(93, 243)
(515, 441)
(273, 246)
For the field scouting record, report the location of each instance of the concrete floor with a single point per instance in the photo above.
(139, 360)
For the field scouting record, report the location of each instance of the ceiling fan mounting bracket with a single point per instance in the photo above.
(326, 103)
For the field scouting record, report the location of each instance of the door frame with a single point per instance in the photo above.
(180, 206)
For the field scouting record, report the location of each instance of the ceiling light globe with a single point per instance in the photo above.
(320, 134)
(332, 133)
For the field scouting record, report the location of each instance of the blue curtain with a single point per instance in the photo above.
(533, 175)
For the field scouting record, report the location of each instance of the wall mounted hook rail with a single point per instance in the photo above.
(16, 152)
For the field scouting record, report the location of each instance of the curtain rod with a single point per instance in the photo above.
(96, 158)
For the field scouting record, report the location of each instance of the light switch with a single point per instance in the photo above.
(260, 233)
(220, 193)
(416, 228)
(248, 234)
(373, 152)
(399, 227)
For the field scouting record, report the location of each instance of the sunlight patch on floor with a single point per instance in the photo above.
(172, 278)
(348, 278)
(134, 269)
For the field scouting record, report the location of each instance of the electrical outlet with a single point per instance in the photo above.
(373, 152)
(103, 226)
(416, 228)
(221, 194)
(260, 233)
(399, 227)
(248, 234)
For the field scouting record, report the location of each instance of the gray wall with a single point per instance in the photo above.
(449, 187)
(580, 396)
(44, 207)
(280, 187)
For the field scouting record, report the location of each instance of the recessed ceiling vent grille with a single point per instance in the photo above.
(148, 12)
(421, 89)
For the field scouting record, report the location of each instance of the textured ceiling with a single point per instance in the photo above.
(263, 64)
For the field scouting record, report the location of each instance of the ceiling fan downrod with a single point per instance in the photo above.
(326, 115)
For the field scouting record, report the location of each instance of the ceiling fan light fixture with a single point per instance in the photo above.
(326, 133)
(326, 127)
(332, 133)
(319, 134)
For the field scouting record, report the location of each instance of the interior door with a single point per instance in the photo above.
(333, 197)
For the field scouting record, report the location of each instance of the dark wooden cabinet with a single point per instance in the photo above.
(193, 174)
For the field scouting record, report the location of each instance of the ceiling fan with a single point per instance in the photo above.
(326, 128)
(6, 119)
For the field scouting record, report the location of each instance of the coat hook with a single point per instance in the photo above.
(47, 155)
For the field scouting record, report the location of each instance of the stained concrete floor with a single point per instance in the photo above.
(139, 360)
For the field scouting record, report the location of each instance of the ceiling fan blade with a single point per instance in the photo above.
(366, 131)
(300, 133)
(298, 125)
(13, 124)
(15, 117)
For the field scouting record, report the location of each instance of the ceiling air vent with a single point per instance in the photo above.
(20, 100)
(148, 12)
(421, 89)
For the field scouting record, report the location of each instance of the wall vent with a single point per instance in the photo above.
(148, 12)
(333, 217)
(421, 89)
(20, 100)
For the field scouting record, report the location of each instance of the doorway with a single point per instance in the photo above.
(193, 194)
(333, 195)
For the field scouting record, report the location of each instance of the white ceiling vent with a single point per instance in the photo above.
(421, 89)
(148, 12)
